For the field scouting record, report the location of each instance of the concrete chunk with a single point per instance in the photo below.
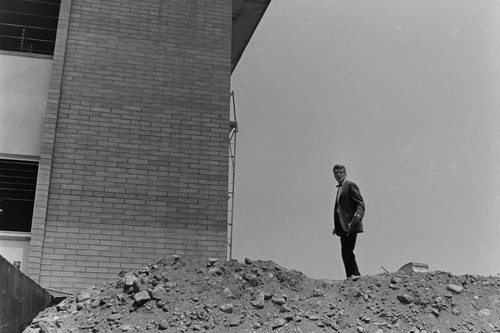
(414, 267)
(454, 288)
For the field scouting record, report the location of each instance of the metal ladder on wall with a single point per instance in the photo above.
(233, 129)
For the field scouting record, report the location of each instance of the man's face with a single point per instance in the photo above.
(339, 175)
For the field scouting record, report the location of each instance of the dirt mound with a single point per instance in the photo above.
(188, 295)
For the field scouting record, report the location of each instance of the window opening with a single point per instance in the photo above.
(29, 25)
(17, 194)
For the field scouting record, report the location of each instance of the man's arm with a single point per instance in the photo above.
(356, 197)
(355, 194)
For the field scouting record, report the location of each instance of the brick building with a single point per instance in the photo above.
(114, 133)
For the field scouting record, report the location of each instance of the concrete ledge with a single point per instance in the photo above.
(17, 236)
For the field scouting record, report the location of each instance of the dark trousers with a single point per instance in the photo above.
(347, 247)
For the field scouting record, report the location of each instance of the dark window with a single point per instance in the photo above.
(17, 194)
(29, 25)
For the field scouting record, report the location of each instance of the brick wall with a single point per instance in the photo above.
(135, 151)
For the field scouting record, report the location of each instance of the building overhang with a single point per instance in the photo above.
(246, 17)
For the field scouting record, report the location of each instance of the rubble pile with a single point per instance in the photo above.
(197, 295)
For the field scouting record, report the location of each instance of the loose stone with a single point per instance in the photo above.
(405, 298)
(142, 297)
(227, 308)
(456, 289)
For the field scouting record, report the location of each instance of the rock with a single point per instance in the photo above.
(318, 292)
(62, 306)
(456, 289)
(142, 297)
(235, 323)
(248, 261)
(159, 293)
(163, 325)
(280, 322)
(227, 293)
(31, 330)
(170, 285)
(267, 296)
(251, 279)
(327, 283)
(164, 276)
(285, 308)
(405, 298)
(126, 328)
(396, 280)
(259, 301)
(114, 317)
(44, 327)
(215, 271)
(95, 303)
(129, 279)
(136, 286)
(144, 270)
(278, 300)
(39, 319)
(212, 261)
(82, 297)
(484, 313)
(227, 308)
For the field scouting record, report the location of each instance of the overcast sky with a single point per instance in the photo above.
(406, 94)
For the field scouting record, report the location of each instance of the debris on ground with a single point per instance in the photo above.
(207, 295)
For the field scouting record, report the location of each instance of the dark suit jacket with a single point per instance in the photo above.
(350, 202)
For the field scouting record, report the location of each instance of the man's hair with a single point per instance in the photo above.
(339, 167)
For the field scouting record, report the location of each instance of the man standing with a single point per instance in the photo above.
(348, 218)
